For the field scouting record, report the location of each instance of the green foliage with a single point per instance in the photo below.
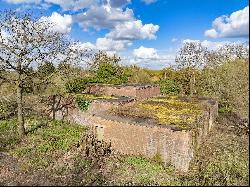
(181, 78)
(8, 106)
(168, 86)
(228, 169)
(106, 73)
(45, 69)
(223, 158)
(229, 83)
(136, 170)
(8, 134)
(110, 74)
(103, 58)
(63, 66)
(76, 85)
(83, 103)
(138, 75)
(142, 171)
(224, 110)
(158, 158)
(44, 141)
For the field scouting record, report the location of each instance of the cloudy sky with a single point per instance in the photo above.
(143, 32)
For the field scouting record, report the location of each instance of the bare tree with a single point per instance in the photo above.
(228, 52)
(191, 55)
(26, 42)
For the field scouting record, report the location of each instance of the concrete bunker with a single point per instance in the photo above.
(170, 126)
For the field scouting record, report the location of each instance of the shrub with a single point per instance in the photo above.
(229, 83)
(138, 75)
(76, 85)
(45, 69)
(8, 106)
(168, 86)
(224, 110)
(110, 74)
(83, 103)
(228, 169)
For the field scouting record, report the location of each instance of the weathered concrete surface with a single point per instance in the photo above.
(134, 139)
(176, 147)
(137, 91)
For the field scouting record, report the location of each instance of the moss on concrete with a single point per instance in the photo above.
(94, 96)
(172, 111)
(166, 110)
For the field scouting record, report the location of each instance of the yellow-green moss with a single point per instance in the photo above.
(171, 111)
(93, 96)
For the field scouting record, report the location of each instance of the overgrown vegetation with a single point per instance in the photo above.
(229, 83)
(54, 152)
(169, 86)
(51, 151)
(223, 158)
(76, 85)
(165, 110)
(82, 103)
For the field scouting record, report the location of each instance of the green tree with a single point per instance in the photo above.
(111, 74)
(102, 58)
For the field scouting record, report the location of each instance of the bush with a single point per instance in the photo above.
(45, 69)
(228, 169)
(8, 106)
(76, 85)
(138, 75)
(110, 74)
(168, 86)
(82, 103)
(229, 83)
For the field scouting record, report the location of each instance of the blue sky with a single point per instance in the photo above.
(144, 32)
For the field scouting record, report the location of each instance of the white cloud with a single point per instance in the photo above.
(99, 17)
(72, 4)
(62, 23)
(145, 53)
(189, 40)
(114, 15)
(79, 46)
(107, 44)
(163, 60)
(157, 59)
(104, 44)
(118, 3)
(235, 25)
(87, 45)
(23, 1)
(212, 33)
(133, 30)
(149, 1)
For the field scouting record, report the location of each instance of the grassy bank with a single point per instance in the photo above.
(50, 155)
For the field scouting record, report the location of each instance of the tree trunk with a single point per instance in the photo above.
(192, 82)
(20, 106)
(53, 107)
(194, 87)
(181, 90)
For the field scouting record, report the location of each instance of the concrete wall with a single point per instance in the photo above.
(130, 91)
(175, 147)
